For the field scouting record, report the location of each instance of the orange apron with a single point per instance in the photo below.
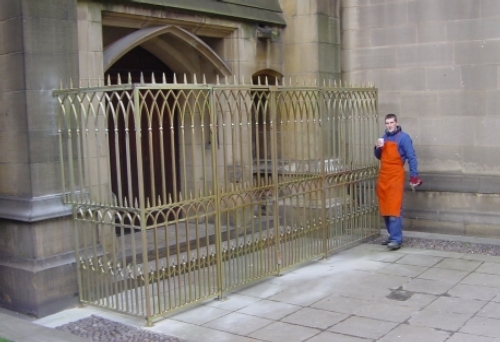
(391, 179)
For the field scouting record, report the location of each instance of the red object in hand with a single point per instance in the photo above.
(415, 181)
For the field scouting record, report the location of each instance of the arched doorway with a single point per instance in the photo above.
(158, 127)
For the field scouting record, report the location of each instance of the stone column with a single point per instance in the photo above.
(312, 39)
(39, 48)
(312, 49)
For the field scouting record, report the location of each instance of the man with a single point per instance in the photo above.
(393, 150)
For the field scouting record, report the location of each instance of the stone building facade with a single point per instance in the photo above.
(435, 62)
(48, 42)
(436, 65)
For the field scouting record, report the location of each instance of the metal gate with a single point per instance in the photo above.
(182, 191)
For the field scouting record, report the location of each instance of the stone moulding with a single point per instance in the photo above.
(33, 209)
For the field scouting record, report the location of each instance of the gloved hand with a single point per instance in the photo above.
(415, 181)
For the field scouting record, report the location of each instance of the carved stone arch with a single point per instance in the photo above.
(150, 39)
(273, 77)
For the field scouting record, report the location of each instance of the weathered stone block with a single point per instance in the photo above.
(490, 8)
(389, 102)
(419, 104)
(10, 9)
(384, 57)
(306, 29)
(385, 15)
(443, 78)
(16, 179)
(354, 39)
(13, 72)
(464, 29)
(388, 79)
(9, 40)
(57, 9)
(425, 55)
(390, 36)
(44, 146)
(490, 28)
(12, 104)
(14, 147)
(45, 289)
(460, 103)
(479, 76)
(431, 10)
(481, 159)
(433, 226)
(46, 178)
(439, 158)
(477, 52)
(47, 35)
(492, 102)
(457, 133)
(328, 55)
(431, 32)
(59, 66)
(411, 79)
(40, 104)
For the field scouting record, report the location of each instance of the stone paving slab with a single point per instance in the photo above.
(16, 329)
(363, 294)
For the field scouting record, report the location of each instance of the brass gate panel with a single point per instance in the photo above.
(181, 192)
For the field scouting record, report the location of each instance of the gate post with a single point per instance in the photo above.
(217, 229)
(142, 204)
(273, 115)
(323, 112)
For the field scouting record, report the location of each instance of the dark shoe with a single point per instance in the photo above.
(393, 245)
(385, 242)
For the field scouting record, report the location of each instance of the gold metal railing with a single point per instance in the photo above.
(184, 191)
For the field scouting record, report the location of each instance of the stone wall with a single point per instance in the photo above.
(38, 48)
(436, 65)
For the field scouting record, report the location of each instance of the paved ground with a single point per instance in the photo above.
(363, 294)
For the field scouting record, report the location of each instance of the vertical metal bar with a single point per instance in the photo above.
(323, 139)
(217, 231)
(142, 203)
(273, 93)
(64, 117)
